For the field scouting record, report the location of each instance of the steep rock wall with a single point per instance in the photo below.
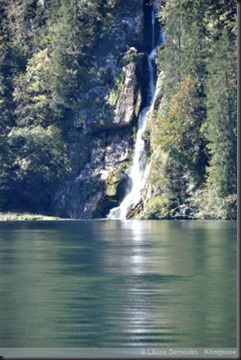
(101, 138)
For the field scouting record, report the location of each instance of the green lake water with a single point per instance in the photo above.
(118, 284)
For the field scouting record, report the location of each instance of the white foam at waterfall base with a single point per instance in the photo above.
(138, 171)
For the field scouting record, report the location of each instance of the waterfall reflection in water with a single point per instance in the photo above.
(118, 283)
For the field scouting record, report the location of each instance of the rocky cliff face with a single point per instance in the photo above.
(101, 138)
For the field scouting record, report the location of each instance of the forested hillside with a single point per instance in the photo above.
(193, 125)
(72, 84)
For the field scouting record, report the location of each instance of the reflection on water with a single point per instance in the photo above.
(118, 283)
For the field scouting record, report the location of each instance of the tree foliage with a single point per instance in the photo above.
(33, 159)
(49, 56)
(220, 127)
(47, 51)
(194, 128)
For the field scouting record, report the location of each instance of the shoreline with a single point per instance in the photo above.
(8, 217)
(27, 217)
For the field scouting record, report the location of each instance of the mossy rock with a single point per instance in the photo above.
(115, 179)
(157, 208)
(117, 186)
(113, 97)
(104, 206)
(111, 183)
(138, 103)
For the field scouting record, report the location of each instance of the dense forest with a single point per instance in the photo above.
(72, 83)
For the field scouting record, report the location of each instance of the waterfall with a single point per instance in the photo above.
(138, 170)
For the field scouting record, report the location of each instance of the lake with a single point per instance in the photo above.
(118, 284)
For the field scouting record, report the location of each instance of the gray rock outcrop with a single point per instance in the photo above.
(101, 139)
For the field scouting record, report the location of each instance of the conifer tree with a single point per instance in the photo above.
(32, 93)
(170, 58)
(73, 37)
(220, 127)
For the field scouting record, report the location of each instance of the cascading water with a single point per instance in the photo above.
(138, 170)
